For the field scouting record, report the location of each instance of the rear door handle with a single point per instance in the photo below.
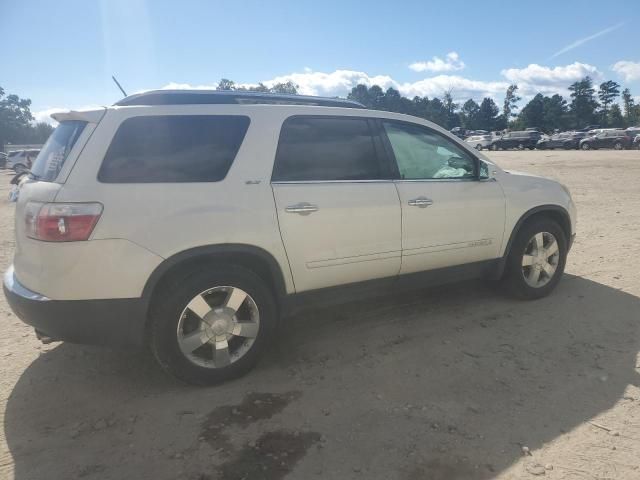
(421, 202)
(302, 208)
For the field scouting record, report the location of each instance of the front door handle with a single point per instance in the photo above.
(302, 208)
(421, 202)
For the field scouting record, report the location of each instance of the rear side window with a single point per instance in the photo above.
(326, 148)
(55, 151)
(173, 149)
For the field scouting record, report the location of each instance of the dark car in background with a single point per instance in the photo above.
(636, 142)
(520, 140)
(3, 160)
(616, 139)
(566, 140)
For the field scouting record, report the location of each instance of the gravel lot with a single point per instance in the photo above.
(451, 383)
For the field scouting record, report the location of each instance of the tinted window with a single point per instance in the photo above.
(326, 148)
(423, 154)
(54, 153)
(162, 149)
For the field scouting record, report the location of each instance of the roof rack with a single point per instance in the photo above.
(191, 97)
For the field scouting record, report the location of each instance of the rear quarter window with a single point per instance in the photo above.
(55, 151)
(173, 149)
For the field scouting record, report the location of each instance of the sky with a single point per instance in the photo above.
(61, 54)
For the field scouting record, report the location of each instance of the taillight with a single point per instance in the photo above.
(61, 222)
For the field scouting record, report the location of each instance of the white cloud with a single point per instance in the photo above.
(629, 71)
(340, 82)
(541, 79)
(582, 41)
(450, 63)
(337, 83)
(461, 88)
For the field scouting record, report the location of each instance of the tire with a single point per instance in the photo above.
(478, 147)
(585, 146)
(618, 146)
(517, 279)
(171, 318)
(520, 146)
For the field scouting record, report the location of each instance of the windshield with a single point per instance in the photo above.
(55, 151)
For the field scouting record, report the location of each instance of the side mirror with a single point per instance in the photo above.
(483, 171)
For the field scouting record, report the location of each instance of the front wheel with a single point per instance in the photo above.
(618, 146)
(536, 260)
(478, 147)
(211, 325)
(585, 146)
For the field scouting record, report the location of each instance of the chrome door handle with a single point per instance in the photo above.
(421, 202)
(302, 208)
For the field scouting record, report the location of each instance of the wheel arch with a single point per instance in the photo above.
(555, 212)
(253, 258)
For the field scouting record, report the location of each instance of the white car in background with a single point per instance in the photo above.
(21, 160)
(480, 142)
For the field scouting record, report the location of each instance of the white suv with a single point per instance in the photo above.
(192, 220)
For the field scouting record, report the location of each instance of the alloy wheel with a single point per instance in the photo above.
(218, 327)
(540, 259)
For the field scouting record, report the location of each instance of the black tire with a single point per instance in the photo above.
(521, 146)
(170, 303)
(478, 147)
(513, 280)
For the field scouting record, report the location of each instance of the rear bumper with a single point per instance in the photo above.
(112, 322)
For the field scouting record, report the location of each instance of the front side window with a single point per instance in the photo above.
(326, 149)
(422, 154)
(173, 149)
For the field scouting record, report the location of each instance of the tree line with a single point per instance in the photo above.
(585, 107)
(16, 122)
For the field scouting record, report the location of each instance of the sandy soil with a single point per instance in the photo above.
(450, 383)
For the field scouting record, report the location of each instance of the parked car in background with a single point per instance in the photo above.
(520, 140)
(480, 142)
(3, 160)
(566, 140)
(616, 139)
(636, 142)
(189, 221)
(459, 132)
(21, 160)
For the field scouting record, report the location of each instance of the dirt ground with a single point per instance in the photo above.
(450, 383)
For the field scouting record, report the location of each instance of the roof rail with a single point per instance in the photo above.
(193, 97)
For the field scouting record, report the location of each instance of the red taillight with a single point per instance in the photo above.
(61, 222)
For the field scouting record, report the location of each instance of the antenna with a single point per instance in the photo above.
(119, 86)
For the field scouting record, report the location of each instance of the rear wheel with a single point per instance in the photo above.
(536, 261)
(211, 325)
(478, 147)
